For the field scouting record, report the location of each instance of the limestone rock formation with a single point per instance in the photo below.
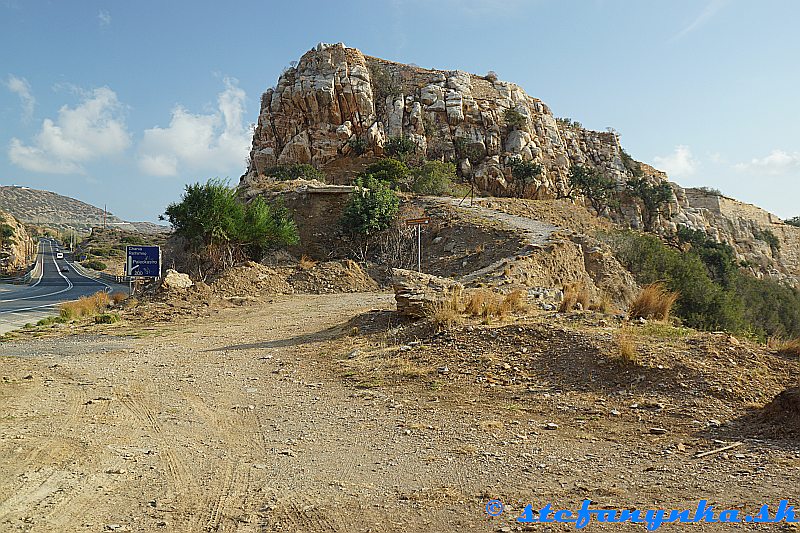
(16, 249)
(337, 103)
(175, 280)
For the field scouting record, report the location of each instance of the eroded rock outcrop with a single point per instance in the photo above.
(17, 247)
(337, 103)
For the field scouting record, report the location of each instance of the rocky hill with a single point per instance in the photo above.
(338, 107)
(45, 208)
(15, 249)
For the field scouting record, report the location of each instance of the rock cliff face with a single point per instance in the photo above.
(15, 249)
(338, 103)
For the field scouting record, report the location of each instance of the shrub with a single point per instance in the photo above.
(293, 172)
(389, 170)
(515, 301)
(118, 297)
(434, 178)
(446, 312)
(399, 146)
(467, 149)
(383, 82)
(630, 164)
(371, 208)
(132, 239)
(358, 145)
(94, 264)
(514, 119)
(221, 229)
(6, 235)
(710, 190)
(654, 301)
(106, 318)
(770, 238)
(794, 221)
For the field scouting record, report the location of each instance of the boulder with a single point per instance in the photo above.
(416, 293)
(175, 280)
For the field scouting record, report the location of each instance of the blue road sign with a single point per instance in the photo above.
(143, 261)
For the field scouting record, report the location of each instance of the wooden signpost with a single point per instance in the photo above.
(418, 222)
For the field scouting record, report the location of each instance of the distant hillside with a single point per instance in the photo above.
(45, 208)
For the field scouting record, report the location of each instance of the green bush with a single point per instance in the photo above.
(293, 172)
(770, 238)
(654, 197)
(514, 119)
(713, 293)
(221, 229)
(94, 264)
(794, 221)
(132, 239)
(390, 170)
(399, 146)
(358, 145)
(106, 318)
(371, 209)
(435, 178)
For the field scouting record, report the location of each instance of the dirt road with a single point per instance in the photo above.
(244, 422)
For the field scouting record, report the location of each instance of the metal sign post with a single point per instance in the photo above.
(142, 262)
(418, 222)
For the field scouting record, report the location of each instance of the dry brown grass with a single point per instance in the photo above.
(654, 301)
(788, 347)
(85, 306)
(574, 293)
(515, 301)
(605, 306)
(118, 297)
(446, 313)
(306, 263)
(625, 347)
(476, 301)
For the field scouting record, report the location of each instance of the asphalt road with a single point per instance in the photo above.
(20, 304)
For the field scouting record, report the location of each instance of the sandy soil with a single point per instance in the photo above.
(289, 417)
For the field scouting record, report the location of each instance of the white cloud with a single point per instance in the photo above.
(776, 163)
(89, 131)
(104, 18)
(679, 164)
(218, 142)
(711, 9)
(22, 88)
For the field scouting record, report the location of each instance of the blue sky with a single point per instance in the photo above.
(123, 103)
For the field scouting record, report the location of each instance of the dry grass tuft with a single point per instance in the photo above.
(446, 313)
(574, 293)
(788, 347)
(514, 302)
(626, 349)
(118, 297)
(605, 306)
(306, 263)
(85, 306)
(654, 301)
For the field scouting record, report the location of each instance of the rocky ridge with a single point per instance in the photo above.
(338, 103)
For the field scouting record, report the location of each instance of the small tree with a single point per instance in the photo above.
(221, 229)
(654, 197)
(794, 221)
(592, 184)
(524, 172)
(371, 209)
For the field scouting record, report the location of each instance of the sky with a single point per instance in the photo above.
(123, 103)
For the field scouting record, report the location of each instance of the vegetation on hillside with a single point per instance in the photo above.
(794, 221)
(713, 293)
(222, 230)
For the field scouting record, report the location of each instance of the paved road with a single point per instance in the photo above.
(20, 304)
